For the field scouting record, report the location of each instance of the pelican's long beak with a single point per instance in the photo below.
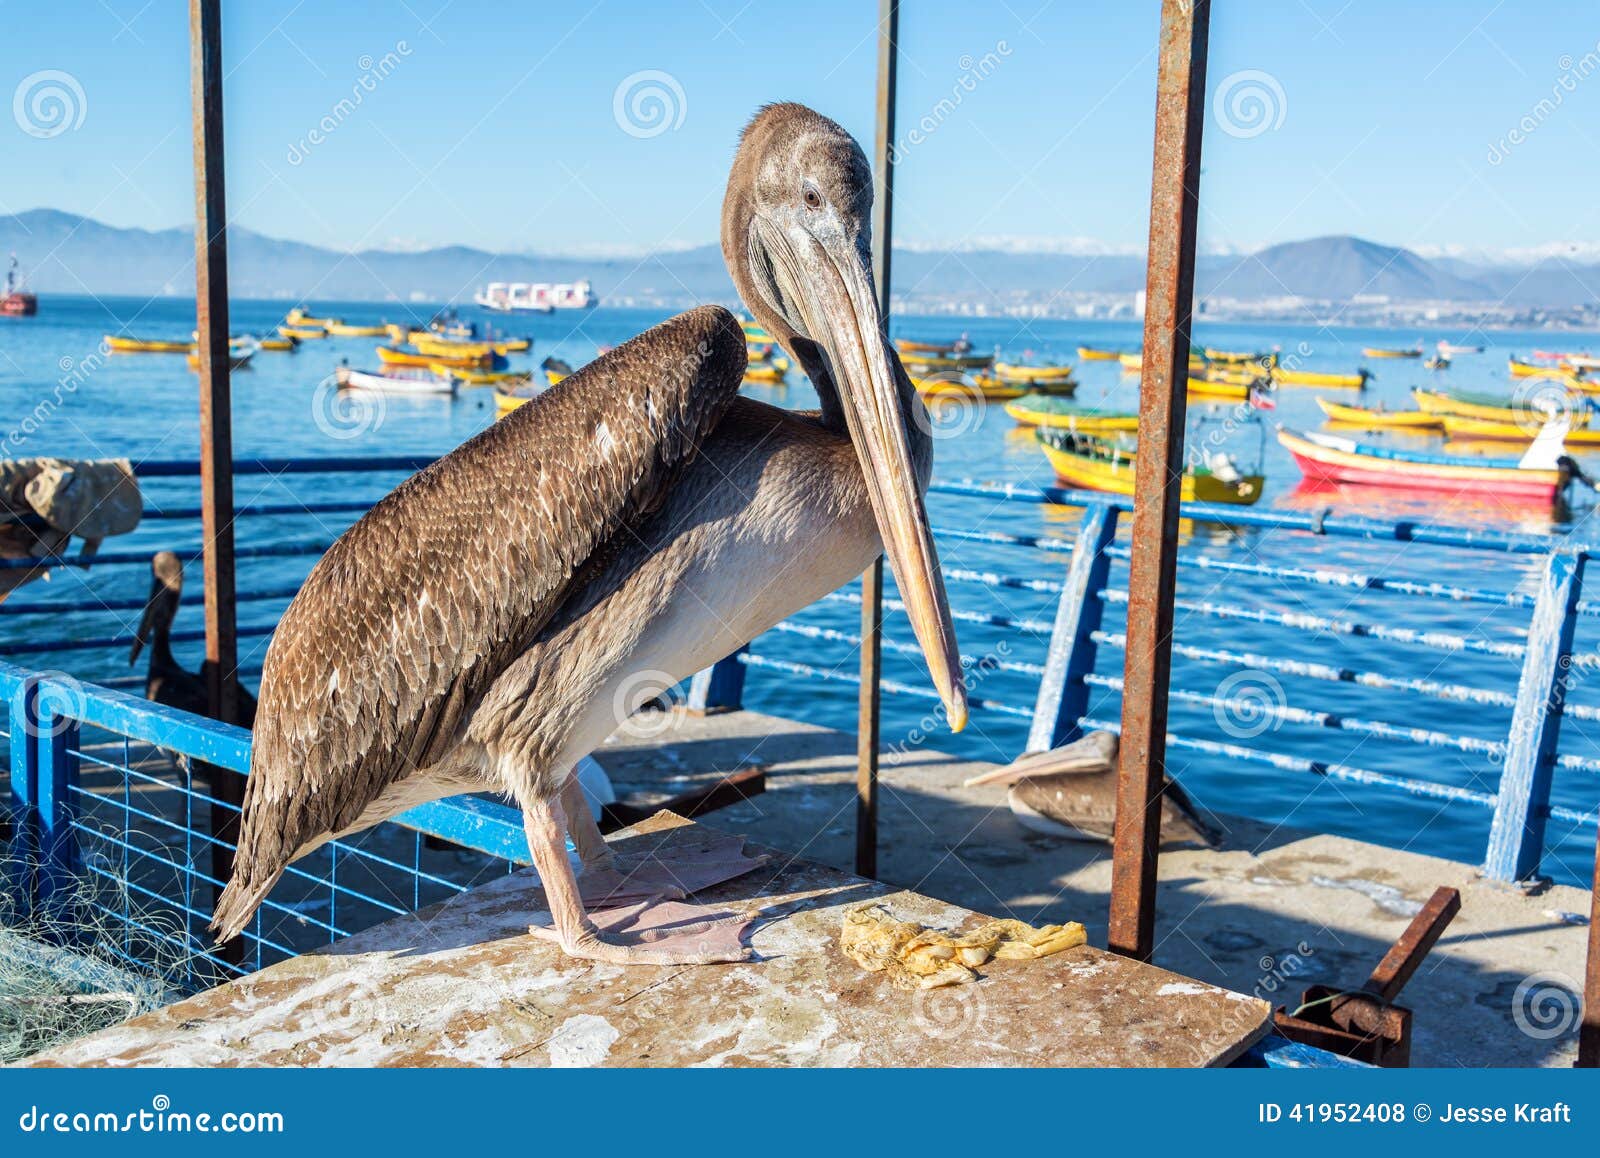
(142, 636)
(832, 287)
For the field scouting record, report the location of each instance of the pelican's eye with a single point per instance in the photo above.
(811, 197)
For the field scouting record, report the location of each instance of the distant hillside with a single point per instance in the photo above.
(64, 253)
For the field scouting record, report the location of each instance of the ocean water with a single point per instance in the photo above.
(61, 398)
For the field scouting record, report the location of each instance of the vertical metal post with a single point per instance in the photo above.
(1063, 696)
(1516, 835)
(216, 408)
(872, 578)
(55, 736)
(23, 866)
(1158, 479)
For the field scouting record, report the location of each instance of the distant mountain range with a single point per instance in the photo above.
(65, 253)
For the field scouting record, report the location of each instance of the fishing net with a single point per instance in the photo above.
(94, 959)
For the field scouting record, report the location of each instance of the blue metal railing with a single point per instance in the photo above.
(97, 793)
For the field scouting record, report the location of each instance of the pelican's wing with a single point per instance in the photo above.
(411, 615)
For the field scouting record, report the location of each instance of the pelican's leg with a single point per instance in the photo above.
(593, 850)
(545, 825)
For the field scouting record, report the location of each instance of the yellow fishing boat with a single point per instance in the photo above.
(476, 377)
(1015, 372)
(391, 356)
(929, 364)
(280, 345)
(239, 357)
(755, 332)
(345, 330)
(1048, 410)
(457, 348)
(299, 317)
(1526, 430)
(1233, 376)
(505, 401)
(1088, 463)
(1488, 407)
(1131, 363)
(1236, 358)
(1379, 419)
(1385, 352)
(1291, 377)
(398, 334)
(119, 345)
(302, 333)
(956, 387)
(1092, 354)
(1219, 391)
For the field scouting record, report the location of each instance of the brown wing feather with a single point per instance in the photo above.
(410, 616)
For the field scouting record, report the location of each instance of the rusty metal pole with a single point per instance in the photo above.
(872, 579)
(216, 410)
(1169, 293)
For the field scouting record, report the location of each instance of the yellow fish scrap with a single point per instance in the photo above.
(917, 957)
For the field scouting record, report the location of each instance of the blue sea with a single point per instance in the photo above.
(62, 399)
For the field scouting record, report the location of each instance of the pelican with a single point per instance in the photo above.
(165, 681)
(483, 627)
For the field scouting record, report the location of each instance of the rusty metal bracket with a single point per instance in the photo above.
(1365, 1023)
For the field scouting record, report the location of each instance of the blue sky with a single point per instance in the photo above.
(495, 125)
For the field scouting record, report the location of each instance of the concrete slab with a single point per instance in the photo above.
(462, 983)
(1274, 911)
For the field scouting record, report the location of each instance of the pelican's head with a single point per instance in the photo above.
(797, 237)
(166, 588)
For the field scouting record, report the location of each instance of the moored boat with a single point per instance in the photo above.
(280, 345)
(1095, 354)
(1056, 413)
(302, 333)
(299, 317)
(926, 364)
(1266, 359)
(1085, 462)
(507, 399)
(473, 377)
(240, 351)
(767, 373)
(910, 346)
(1450, 350)
(394, 356)
(1017, 373)
(123, 345)
(1437, 362)
(1376, 418)
(412, 384)
(346, 330)
(1524, 431)
(951, 386)
(1492, 407)
(1288, 376)
(1327, 458)
(1390, 352)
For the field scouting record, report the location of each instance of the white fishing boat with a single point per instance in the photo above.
(535, 297)
(414, 383)
(1450, 349)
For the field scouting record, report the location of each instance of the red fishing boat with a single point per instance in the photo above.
(1324, 458)
(15, 303)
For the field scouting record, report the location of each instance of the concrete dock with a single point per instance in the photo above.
(1272, 912)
